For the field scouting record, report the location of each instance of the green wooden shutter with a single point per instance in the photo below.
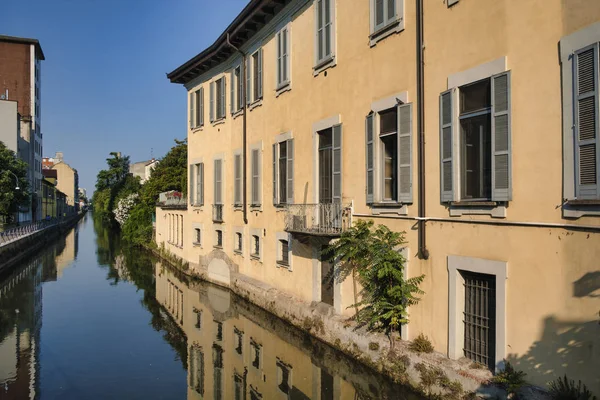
(446, 150)
(337, 164)
(212, 102)
(369, 157)
(275, 202)
(501, 155)
(237, 179)
(290, 171)
(587, 149)
(191, 110)
(405, 153)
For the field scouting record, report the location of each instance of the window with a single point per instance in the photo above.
(254, 394)
(197, 108)
(284, 249)
(219, 334)
(383, 13)
(283, 57)
(256, 354)
(256, 185)
(198, 318)
(254, 78)
(219, 239)
(217, 100)
(197, 370)
(218, 181)
(238, 387)
(479, 170)
(237, 100)
(389, 155)
(198, 181)
(197, 236)
(238, 340)
(237, 181)
(330, 165)
(325, 31)
(284, 377)
(255, 246)
(283, 172)
(238, 242)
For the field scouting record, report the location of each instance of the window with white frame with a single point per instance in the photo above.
(238, 242)
(236, 96)
(237, 180)
(389, 155)
(256, 189)
(197, 109)
(217, 100)
(197, 236)
(219, 238)
(476, 116)
(325, 31)
(196, 183)
(283, 172)
(255, 249)
(218, 182)
(254, 77)
(284, 252)
(383, 13)
(283, 57)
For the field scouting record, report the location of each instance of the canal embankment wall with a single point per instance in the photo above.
(21, 248)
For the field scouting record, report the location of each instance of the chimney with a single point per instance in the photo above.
(59, 156)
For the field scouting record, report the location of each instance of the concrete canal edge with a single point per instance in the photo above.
(414, 370)
(14, 252)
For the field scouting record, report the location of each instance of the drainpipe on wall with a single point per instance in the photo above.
(423, 252)
(244, 141)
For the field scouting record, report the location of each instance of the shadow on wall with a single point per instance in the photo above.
(588, 285)
(566, 347)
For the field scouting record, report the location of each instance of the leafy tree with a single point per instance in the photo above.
(113, 184)
(10, 197)
(371, 256)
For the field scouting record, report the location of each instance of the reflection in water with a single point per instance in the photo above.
(118, 324)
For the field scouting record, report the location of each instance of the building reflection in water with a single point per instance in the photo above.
(21, 317)
(238, 351)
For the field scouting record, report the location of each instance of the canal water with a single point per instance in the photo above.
(89, 318)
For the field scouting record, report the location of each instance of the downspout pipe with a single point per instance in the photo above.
(423, 251)
(244, 136)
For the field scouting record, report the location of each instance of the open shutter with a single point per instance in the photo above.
(237, 195)
(279, 57)
(231, 93)
(223, 97)
(218, 166)
(260, 74)
(501, 171)
(405, 153)
(256, 177)
(240, 82)
(200, 185)
(337, 164)
(587, 150)
(192, 112)
(446, 128)
(275, 202)
(200, 107)
(369, 128)
(191, 191)
(212, 102)
(248, 80)
(290, 171)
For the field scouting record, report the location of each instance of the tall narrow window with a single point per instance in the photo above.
(256, 168)
(388, 134)
(197, 236)
(284, 252)
(192, 110)
(218, 170)
(197, 370)
(199, 107)
(237, 180)
(325, 166)
(217, 99)
(325, 32)
(237, 103)
(238, 242)
(256, 354)
(283, 65)
(282, 172)
(238, 340)
(199, 200)
(255, 246)
(284, 377)
(219, 238)
(256, 78)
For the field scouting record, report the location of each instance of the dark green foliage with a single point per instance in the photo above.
(169, 174)
(10, 197)
(112, 185)
(566, 389)
(371, 256)
(434, 376)
(421, 344)
(510, 379)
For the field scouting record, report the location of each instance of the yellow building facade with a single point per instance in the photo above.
(305, 116)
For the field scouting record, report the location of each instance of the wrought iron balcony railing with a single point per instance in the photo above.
(323, 219)
(172, 199)
(217, 215)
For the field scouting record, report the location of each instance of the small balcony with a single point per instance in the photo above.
(323, 219)
(172, 200)
(217, 213)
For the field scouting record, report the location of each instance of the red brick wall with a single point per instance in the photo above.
(15, 60)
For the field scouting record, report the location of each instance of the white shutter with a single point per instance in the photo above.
(280, 57)
(248, 80)
(237, 180)
(200, 107)
(191, 191)
(260, 74)
(275, 202)
(200, 184)
(405, 153)
(212, 102)
(290, 171)
(501, 155)
(337, 164)
(370, 157)
(231, 92)
(256, 177)
(223, 97)
(587, 149)
(192, 110)
(218, 180)
(240, 82)
(446, 132)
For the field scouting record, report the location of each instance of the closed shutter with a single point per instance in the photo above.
(405, 153)
(237, 179)
(192, 112)
(279, 58)
(446, 128)
(248, 80)
(260, 74)
(192, 169)
(200, 107)
(369, 157)
(256, 177)
(212, 102)
(337, 164)
(319, 33)
(217, 190)
(200, 185)
(501, 170)
(290, 171)
(587, 151)
(223, 100)
(275, 202)
(231, 93)
(240, 82)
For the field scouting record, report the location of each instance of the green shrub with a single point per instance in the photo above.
(510, 379)
(565, 389)
(421, 344)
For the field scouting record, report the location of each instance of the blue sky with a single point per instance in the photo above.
(103, 81)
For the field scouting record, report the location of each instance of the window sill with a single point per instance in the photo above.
(281, 264)
(324, 64)
(218, 121)
(255, 257)
(492, 208)
(218, 247)
(256, 207)
(237, 207)
(579, 203)
(197, 129)
(580, 208)
(389, 208)
(237, 113)
(238, 252)
(284, 87)
(200, 206)
(254, 104)
(196, 244)
(390, 29)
